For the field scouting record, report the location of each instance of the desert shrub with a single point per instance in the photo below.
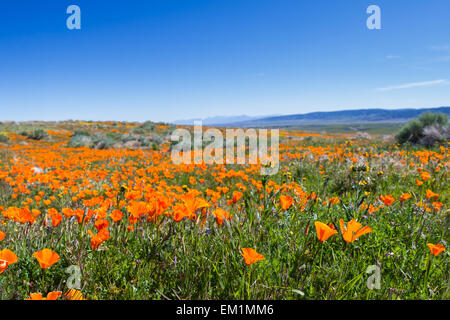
(96, 141)
(78, 141)
(428, 129)
(156, 138)
(104, 141)
(114, 136)
(138, 130)
(128, 137)
(429, 118)
(3, 138)
(37, 134)
(412, 132)
(145, 142)
(80, 133)
(170, 129)
(144, 128)
(101, 141)
(79, 138)
(148, 125)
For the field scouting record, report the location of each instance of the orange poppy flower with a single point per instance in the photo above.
(97, 239)
(35, 212)
(437, 205)
(323, 231)
(425, 176)
(7, 257)
(332, 201)
(431, 194)
(435, 249)
(56, 219)
(54, 295)
(353, 231)
(36, 296)
(221, 215)
(68, 212)
(46, 258)
(2, 235)
(419, 183)
(405, 197)
(387, 199)
(312, 196)
(116, 215)
(286, 201)
(372, 209)
(101, 224)
(251, 256)
(237, 195)
(3, 265)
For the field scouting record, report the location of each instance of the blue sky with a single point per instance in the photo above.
(175, 59)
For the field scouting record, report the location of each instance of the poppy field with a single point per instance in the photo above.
(345, 217)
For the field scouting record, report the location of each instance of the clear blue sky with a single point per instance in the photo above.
(175, 59)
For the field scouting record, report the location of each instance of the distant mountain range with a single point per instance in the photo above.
(221, 120)
(322, 118)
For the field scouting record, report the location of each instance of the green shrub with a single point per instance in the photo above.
(144, 128)
(429, 118)
(80, 133)
(3, 138)
(104, 141)
(78, 141)
(36, 134)
(114, 136)
(426, 130)
(101, 141)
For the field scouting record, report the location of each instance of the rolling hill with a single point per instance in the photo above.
(360, 116)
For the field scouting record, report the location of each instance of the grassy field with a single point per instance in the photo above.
(340, 213)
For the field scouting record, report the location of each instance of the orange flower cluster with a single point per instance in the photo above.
(45, 257)
(350, 233)
(103, 191)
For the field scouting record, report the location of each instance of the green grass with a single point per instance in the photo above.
(371, 128)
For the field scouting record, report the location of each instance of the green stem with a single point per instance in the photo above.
(427, 272)
(248, 284)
